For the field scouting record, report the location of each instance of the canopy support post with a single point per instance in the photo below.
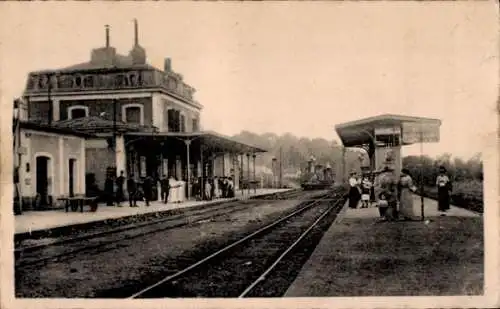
(188, 143)
(254, 179)
(248, 172)
(202, 184)
(241, 173)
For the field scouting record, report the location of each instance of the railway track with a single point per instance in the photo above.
(243, 267)
(69, 247)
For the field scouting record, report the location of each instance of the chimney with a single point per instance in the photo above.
(107, 35)
(136, 33)
(167, 67)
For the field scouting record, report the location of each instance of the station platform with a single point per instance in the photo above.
(361, 256)
(31, 221)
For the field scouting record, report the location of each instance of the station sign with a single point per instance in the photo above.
(421, 132)
(388, 131)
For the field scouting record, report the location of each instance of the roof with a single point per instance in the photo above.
(358, 132)
(89, 66)
(43, 127)
(96, 124)
(216, 141)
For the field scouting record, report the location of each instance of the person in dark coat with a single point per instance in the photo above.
(120, 181)
(444, 186)
(147, 187)
(109, 190)
(165, 188)
(223, 186)
(354, 191)
(387, 187)
(132, 191)
(212, 188)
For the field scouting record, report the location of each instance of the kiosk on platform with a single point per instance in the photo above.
(384, 135)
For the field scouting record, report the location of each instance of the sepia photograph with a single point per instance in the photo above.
(300, 154)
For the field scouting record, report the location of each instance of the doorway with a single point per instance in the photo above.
(71, 178)
(42, 179)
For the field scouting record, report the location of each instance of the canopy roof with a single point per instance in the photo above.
(360, 132)
(43, 127)
(94, 124)
(213, 140)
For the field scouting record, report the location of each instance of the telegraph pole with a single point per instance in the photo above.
(422, 174)
(281, 167)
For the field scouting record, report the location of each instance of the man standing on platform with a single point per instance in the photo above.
(120, 181)
(165, 188)
(147, 187)
(387, 186)
(132, 191)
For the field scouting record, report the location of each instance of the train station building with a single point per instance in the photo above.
(137, 119)
(383, 136)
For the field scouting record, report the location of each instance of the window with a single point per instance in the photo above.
(182, 124)
(195, 125)
(172, 127)
(78, 111)
(133, 113)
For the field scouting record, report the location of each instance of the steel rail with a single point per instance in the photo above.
(127, 227)
(142, 234)
(131, 226)
(233, 206)
(284, 254)
(223, 250)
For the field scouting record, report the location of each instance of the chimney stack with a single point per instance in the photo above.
(136, 33)
(107, 35)
(167, 67)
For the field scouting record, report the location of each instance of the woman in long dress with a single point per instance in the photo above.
(354, 194)
(172, 196)
(405, 190)
(444, 190)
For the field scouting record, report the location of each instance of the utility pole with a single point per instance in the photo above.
(281, 167)
(422, 173)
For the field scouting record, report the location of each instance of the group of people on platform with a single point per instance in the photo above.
(213, 188)
(393, 196)
(172, 190)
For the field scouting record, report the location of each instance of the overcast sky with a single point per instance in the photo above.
(287, 67)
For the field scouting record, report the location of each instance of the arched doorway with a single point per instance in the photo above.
(43, 174)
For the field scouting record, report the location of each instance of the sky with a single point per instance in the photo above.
(287, 67)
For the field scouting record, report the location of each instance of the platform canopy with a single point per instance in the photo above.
(361, 132)
(215, 142)
(99, 125)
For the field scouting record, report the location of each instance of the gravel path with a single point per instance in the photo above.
(128, 264)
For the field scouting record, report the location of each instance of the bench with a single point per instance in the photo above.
(76, 201)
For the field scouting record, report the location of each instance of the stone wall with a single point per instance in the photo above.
(98, 157)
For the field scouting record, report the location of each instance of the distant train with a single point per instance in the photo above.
(317, 177)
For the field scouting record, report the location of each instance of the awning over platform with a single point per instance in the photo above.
(214, 141)
(43, 127)
(361, 132)
(94, 125)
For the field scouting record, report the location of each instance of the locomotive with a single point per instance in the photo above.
(317, 177)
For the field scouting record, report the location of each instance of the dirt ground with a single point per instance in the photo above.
(442, 258)
(130, 262)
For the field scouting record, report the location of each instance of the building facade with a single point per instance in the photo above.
(51, 164)
(146, 120)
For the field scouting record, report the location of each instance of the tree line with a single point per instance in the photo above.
(294, 152)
